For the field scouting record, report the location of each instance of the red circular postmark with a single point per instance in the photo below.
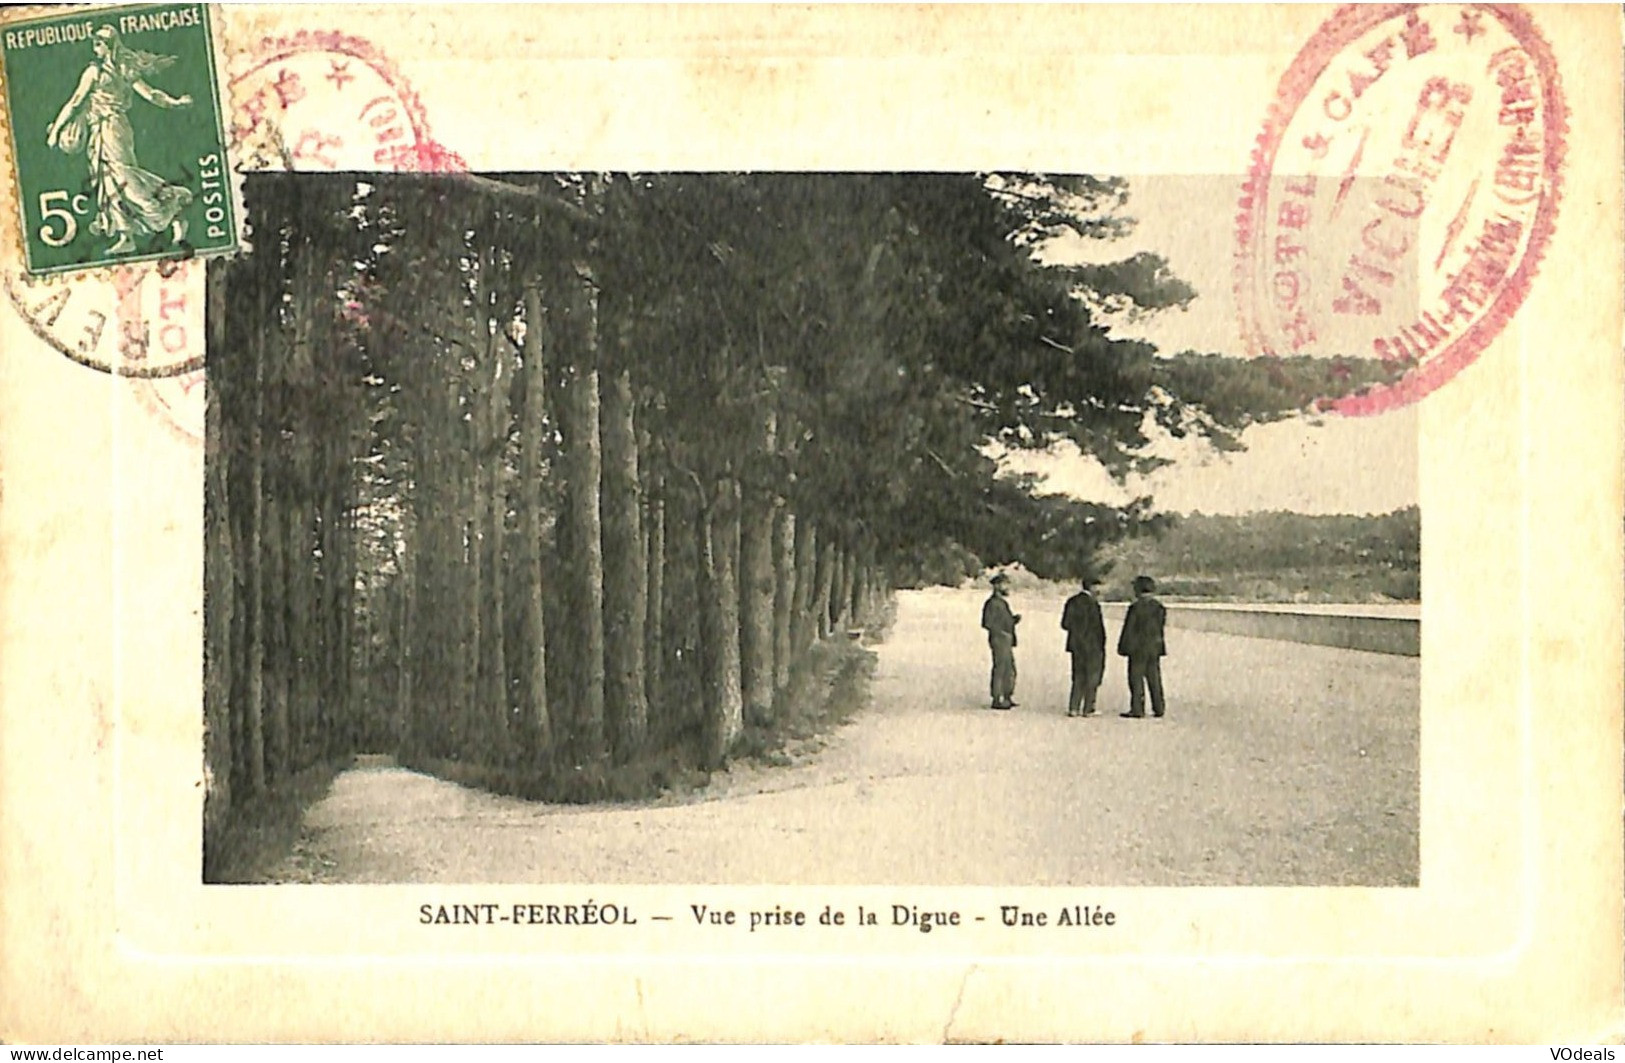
(1402, 192)
(142, 321)
(320, 100)
(177, 402)
(310, 102)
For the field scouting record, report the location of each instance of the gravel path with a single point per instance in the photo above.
(1278, 764)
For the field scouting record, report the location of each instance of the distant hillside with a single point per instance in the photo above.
(1276, 557)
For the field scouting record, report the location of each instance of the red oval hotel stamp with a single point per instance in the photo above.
(1402, 192)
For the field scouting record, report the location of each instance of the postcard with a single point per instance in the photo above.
(811, 523)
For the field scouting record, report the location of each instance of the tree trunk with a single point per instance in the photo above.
(626, 598)
(219, 557)
(476, 496)
(849, 572)
(329, 604)
(860, 572)
(756, 534)
(305, 398)
(803, 625)
(359, 708)
(719, 616)
(682, 710)
(405, 652)
(369, 728)
(824, 601)
(320, 616)
(537, 723)
(254, 556)
(296, 532)
(436, 683)
(421, 549)
(784, 562)
(494, 514)
(843, 591)
(445, 616)
(585, 564)
(654, 552)
(275, 646)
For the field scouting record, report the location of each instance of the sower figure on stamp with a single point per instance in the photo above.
(130, 201)
(1000, 623)
(1142, 643)
(1086, 644)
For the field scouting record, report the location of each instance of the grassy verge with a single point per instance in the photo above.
(826, 689)
(256, 838)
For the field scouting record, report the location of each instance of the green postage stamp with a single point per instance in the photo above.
(116, 136)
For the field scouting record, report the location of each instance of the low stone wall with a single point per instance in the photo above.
(1374, 634)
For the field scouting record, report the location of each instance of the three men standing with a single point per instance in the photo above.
(1000, 623)
(1142, 643)
(1086, 643)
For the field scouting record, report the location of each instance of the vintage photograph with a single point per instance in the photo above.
(811, 523)
(791, 528)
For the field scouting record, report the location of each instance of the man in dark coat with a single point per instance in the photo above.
(1086, 642)
(1001, 623)
(1142, 643)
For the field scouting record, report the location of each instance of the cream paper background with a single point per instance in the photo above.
(1514, 934)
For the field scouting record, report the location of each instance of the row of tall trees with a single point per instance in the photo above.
(547, 473)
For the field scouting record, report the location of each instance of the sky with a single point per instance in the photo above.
(1328, 464)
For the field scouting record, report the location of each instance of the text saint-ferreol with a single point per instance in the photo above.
(588, 913)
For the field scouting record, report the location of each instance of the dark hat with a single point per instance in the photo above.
(1144, 583)
(999, 577)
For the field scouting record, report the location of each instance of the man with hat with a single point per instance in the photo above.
(1086, 643)
(1001, 623)
(1142, 643)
